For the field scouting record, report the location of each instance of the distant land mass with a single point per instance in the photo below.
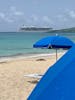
(67, 30)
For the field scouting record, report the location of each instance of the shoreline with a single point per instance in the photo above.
(21, 57)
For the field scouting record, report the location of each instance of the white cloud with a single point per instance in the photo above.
(47, 20)
(18, 13)
(2, 15)
(11, 15)
(9, 20)
(12, 8)
(39, 20)
(66, 18)
(14, 11)
(34, 18)
(72, 14)
(5, 18)
(62, 17)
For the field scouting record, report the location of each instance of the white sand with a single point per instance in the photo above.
(13, 84)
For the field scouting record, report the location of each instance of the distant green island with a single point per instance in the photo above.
(67, 30)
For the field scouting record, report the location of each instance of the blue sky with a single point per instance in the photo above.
(41, 13)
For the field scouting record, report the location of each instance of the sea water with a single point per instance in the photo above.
(21, 43)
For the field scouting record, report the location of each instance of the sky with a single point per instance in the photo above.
(56, 14)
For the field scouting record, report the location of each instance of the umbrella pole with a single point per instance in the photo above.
(56, 55)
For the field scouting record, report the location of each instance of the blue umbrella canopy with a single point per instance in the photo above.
(58, 83)
(54, 42)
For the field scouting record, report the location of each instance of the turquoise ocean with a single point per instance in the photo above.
(21, 43)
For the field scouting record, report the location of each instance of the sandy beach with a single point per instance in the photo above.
(13, 84)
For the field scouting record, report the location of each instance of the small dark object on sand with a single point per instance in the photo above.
(40, 59)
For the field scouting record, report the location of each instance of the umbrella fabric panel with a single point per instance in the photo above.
(45, 42)
(54, 42)
(62, 87)
(62, 42)
(58, 83)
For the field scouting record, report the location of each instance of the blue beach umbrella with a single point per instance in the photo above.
(58, 83)
(54, 42)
